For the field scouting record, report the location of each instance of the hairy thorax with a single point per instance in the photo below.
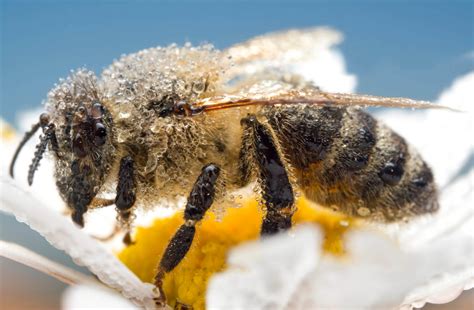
(169, 151)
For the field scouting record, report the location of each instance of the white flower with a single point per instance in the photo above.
(386, 266)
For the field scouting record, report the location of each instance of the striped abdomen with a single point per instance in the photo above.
(346, 160)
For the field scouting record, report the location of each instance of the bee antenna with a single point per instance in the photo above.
(25, 139)
(40, 149)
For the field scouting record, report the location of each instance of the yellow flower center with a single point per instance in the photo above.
(6, 131)
(188, 281)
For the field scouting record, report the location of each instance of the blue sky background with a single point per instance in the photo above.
(396, 48)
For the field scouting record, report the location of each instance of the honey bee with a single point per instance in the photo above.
(196, 121)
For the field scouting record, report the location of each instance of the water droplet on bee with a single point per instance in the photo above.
(363, 211)
(155, 128)
(121, 137)
(198, 87)
(124, 115)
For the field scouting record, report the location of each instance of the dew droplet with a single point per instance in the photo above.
(198, 87)
(124, 115)
(363, 211)
(344, 223)
(121, 137)
(155, 128)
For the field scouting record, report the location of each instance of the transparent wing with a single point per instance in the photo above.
(277, 93)
(290, 45)
(306, 54)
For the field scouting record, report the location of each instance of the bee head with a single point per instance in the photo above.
(85, 155)
(78, 130)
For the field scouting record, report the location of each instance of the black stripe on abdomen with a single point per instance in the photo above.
(305, 133)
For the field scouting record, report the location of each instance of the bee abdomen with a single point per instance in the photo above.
(360, 166)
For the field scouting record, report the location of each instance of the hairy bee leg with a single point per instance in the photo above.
(109, 236)
(98, 203)
(245, 171)
(180, 306)
(199, 201)
(277, 191)
(125, 198)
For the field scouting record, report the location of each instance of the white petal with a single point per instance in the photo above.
(266, 274)
(93, 297)
(309, 53)
(377, 274)
(29, 258)
(62, 234)
(331, 74)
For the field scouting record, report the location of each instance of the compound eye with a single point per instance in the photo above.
(78, 146)
(391, 174)
(100, 134)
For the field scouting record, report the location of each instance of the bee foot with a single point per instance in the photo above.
(182, 306)
(127, 239)
(160, 302)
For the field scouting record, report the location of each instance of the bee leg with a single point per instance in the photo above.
(180, 306)
(98, 203)
(199, 201)
(125, 198)
(245, 158)
(276, 188)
